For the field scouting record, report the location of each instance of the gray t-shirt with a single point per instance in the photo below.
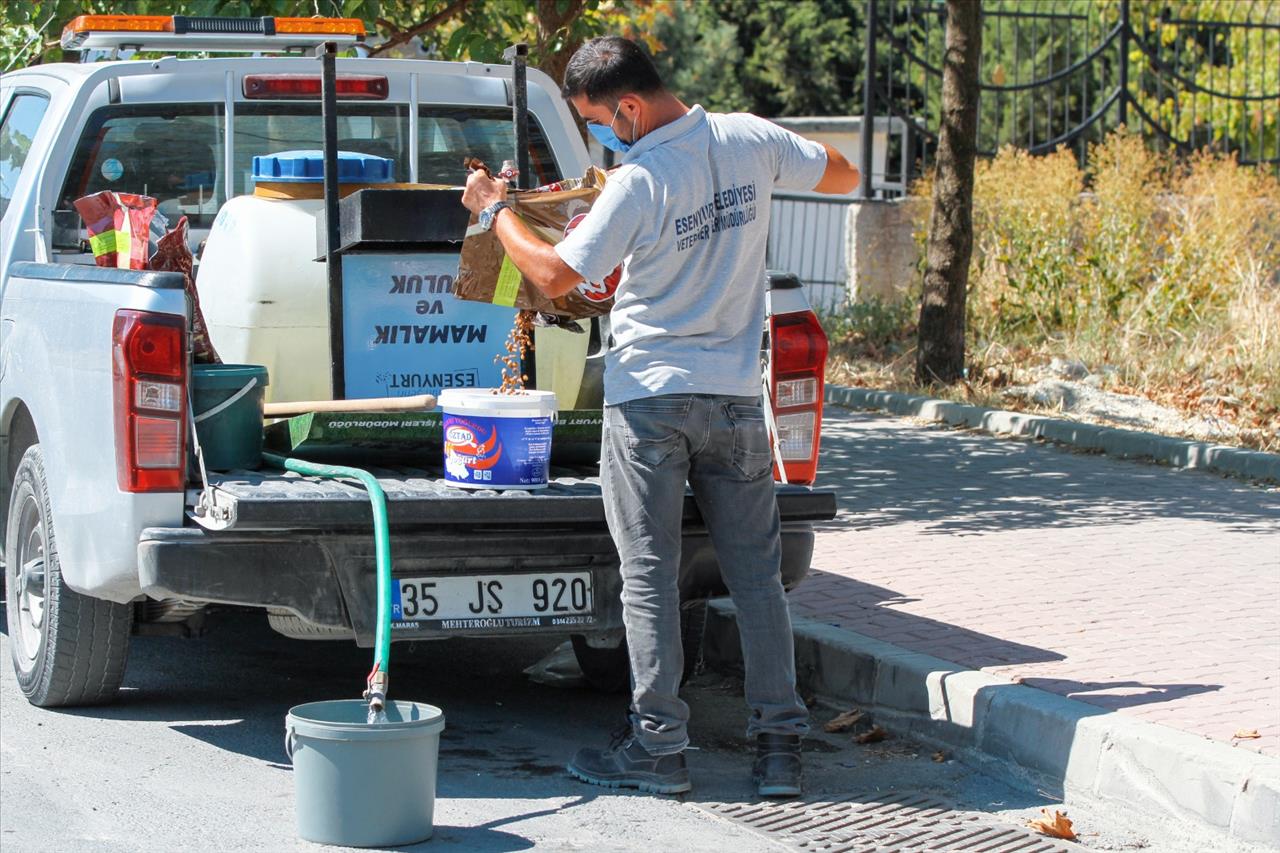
(687, 216)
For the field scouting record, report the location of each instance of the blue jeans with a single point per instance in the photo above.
(720, 446)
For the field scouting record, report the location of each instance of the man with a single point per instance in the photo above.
(687, 215)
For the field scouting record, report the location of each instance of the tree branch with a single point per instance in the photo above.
(550, 21)
(399, 36)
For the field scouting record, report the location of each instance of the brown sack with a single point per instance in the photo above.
(173, 254)
(485, 274)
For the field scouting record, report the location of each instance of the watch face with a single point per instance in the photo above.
(486, 218)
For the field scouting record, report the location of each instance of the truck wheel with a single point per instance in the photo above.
(609, 670)
(606, 670)
(68, 648)
(295, 627)
(693, 624)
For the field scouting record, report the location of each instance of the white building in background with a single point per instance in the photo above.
(822, 238)
(843, 247)
(844, 133)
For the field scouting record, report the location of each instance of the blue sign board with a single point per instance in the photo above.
(405, 333)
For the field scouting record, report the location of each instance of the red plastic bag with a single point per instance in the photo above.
(119, 225)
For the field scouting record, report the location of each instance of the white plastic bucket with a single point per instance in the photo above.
(497, 441)
(361, 785)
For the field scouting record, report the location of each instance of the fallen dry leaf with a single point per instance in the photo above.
(939, 756)
(1246, 734)
(876, 734)
(1055, 825)
(844, 722)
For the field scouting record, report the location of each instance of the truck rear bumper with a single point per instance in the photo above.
(328, 578)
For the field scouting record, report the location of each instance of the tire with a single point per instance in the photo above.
(296, 628)
(606, 670)
(693, 624)
(68, 649)
(609, 670)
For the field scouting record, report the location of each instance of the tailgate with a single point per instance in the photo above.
(420, 498)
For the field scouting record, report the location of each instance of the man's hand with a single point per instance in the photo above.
(483, 191)
(531, 254)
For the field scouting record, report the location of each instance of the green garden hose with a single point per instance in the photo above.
(377, 683)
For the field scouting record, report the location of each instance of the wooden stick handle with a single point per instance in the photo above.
(421, 402)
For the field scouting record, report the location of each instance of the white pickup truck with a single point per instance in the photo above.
(101, 538)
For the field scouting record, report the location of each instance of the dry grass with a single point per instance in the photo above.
(1166, 272)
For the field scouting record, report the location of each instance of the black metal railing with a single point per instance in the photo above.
(1189, 75)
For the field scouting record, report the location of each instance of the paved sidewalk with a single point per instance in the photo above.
(1142, 589)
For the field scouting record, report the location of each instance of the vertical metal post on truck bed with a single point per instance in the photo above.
(327, 53)
(518, 55)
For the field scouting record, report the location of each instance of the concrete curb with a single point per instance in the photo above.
(1063, 746)
(1123, 443)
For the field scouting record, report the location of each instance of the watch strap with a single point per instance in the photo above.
(491, 212)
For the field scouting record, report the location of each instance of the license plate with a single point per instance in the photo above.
(464, 602)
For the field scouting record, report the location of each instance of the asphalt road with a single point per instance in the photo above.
(191, 757)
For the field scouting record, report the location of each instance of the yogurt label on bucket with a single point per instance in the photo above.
(501, 452)
(468, 454)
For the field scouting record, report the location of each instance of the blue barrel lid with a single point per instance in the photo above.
(308, 167)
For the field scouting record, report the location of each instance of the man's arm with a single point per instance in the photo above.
(532, 255)
(840, 177)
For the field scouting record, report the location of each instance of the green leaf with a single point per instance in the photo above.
(454, 47)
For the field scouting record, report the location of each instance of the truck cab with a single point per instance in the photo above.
(94, 553)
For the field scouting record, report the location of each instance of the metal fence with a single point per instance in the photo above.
(807, 237)
(1189, 75)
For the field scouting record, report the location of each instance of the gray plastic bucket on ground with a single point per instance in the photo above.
(360, 785)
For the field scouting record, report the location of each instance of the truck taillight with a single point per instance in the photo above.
(293, 87)
(149, 380)
(798, 357)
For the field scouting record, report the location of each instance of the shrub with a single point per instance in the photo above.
(874, 325)
(1167, 269)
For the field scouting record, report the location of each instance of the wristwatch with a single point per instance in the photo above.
(487, 215)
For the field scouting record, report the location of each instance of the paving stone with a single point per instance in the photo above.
(1130, 586)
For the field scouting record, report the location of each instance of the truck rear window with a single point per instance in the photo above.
(175, 152)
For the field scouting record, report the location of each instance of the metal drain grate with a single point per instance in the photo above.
(884, 822)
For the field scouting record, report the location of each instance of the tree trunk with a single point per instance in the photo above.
(940, 352)
(555, 21)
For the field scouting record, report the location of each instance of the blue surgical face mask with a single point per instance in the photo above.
(605, 136)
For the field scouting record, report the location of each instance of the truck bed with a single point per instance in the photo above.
(270, 499)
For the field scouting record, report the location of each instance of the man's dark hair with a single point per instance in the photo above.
(608, 67)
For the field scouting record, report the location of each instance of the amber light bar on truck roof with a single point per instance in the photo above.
(189, 33)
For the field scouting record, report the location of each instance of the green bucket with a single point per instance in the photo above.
(227, 406)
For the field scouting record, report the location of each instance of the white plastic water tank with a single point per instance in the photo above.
(265, 298)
